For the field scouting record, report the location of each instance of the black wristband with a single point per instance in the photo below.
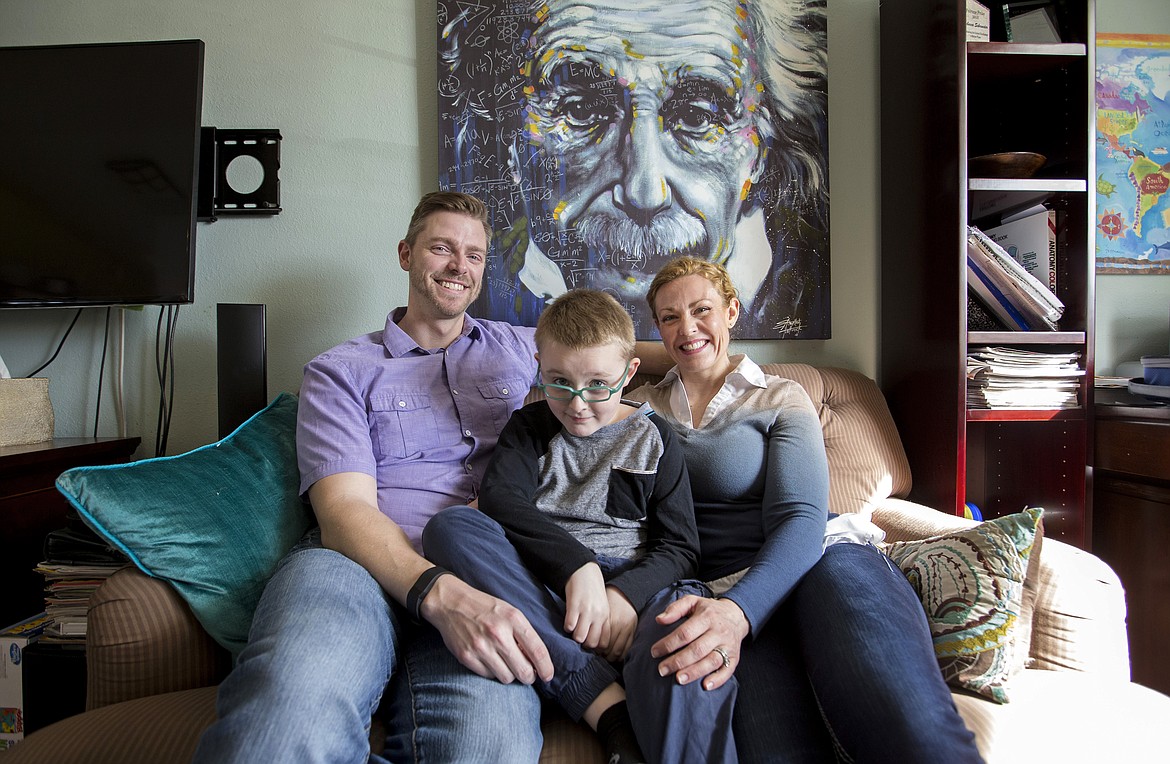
(420, 590)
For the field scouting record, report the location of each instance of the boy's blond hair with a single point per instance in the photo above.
(586, 318)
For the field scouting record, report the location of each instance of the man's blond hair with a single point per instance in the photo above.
(586, 318)
(447, 201)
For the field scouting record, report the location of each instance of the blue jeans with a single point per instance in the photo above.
(868, 652)
(847, 664)
(698, 729)
(325, 640)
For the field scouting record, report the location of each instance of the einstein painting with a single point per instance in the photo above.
(609, 136)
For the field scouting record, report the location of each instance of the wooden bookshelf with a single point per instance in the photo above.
(945, 100)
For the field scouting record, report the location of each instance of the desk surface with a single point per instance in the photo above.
(1120, 403)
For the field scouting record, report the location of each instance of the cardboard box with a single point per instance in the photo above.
(13, 641)
(978, 22)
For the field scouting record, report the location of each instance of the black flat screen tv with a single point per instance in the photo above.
(99, 173)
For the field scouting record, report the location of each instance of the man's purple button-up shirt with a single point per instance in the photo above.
(422, 422)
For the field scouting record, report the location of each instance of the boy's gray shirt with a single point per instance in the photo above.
(621, 492)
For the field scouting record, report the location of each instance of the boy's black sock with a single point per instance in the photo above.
(617, 736)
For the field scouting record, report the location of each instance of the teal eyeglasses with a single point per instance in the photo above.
(591, 394)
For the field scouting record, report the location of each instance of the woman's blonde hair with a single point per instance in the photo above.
(691, 266)
(586, 318)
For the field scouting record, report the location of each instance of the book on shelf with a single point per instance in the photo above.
(990, 296)
(1009, 378)
(980, 318)
(999, 204)
(1016, 290)
(1030, 237)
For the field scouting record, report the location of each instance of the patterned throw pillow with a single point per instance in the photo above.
(971, 583)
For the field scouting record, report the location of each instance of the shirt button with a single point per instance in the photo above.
(467, 433)
(454, 392)
(402, 404)
(504, 391)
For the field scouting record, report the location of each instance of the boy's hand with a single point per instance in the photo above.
(623, 619)
(587, 607)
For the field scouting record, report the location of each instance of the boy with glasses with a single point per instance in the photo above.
(586, 517)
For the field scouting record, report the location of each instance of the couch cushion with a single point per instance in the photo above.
(213, 522)
(1068, 716)
(159, 728)
(866, 460)
(972, 586)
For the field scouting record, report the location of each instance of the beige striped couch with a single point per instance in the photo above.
(153, 670)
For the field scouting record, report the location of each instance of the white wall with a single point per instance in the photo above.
(351, 87)
(1133, 312)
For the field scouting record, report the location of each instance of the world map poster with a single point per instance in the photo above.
(1133, 154)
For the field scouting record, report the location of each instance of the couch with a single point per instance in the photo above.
(152, 669)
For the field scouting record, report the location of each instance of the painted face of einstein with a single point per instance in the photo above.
(652, 112)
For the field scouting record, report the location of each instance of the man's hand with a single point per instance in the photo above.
(486, 634)
(587, 607)
(623, 619)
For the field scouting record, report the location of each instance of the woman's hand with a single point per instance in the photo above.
(692, 651)
(587, 606)
(623, 619)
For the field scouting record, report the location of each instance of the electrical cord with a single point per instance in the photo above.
(60, 345)
(164, 360)
(97, 412)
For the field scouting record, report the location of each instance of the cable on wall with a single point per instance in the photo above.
(60, 345)
(164, 357)
(97, 412)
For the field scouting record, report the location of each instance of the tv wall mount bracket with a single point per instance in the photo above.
(239, 172)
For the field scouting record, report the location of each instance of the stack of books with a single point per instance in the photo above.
(1016, 298)
(1007, 378)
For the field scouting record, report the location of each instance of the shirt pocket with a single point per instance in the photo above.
(629, 493)
(501, 397)
(403, 423)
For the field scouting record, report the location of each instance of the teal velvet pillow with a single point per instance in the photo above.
(212, 522)
(971, 583)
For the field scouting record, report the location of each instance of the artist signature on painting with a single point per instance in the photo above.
(788, 326)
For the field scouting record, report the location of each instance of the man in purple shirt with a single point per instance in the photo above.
(394, 426)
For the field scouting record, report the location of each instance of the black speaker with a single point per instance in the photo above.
(241, 363)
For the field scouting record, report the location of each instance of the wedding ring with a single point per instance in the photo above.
(723, 654)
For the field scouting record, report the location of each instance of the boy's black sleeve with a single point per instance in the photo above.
(507, 496)
(672, 544)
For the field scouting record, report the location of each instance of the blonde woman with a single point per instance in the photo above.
(831, 651)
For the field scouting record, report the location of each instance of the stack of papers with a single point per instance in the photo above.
(67, 591)
(1007, 378)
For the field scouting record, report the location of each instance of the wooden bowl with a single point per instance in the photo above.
(1010, 164)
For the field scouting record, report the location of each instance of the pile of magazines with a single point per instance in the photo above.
(76, 563)
(1007, 378)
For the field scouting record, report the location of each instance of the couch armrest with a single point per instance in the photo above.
(1079, 620)
(1078, 616)
(142, 640)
